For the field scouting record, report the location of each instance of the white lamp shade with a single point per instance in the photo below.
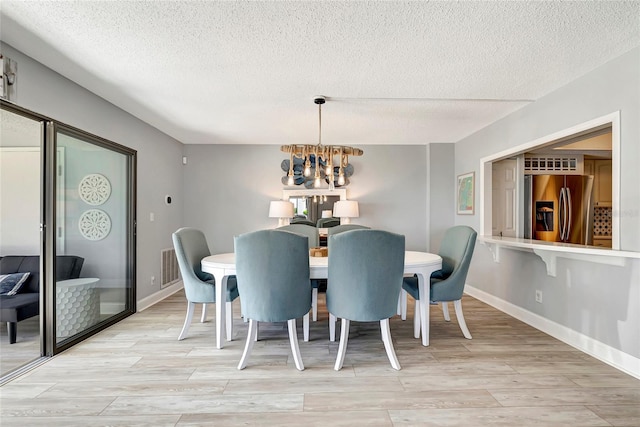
(280, 209)
(346, 209)
(327, 213)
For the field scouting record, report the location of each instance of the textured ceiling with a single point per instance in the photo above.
(247, 72)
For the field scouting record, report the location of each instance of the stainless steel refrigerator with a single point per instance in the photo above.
(559, 208)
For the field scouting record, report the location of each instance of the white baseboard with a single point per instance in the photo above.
(155, 298)
(609, 355)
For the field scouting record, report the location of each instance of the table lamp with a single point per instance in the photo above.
(281, 209)
(345, 210)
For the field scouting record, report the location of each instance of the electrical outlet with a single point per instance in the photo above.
(539, 296)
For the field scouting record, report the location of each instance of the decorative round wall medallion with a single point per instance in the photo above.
(94, 224)
(94, 189)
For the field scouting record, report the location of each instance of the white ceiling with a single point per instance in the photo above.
(212, 72)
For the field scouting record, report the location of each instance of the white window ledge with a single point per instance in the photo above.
(549, 252)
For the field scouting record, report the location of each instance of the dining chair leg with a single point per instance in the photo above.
(187, 320)
(229, 322)
(203, 318)
(403, 304)
(416, 320)
(457, 304)
(314, 304)
(332, 327)
(248, 346)
(342, 348)
(388, 344)
(293, 339)
(445, 310)
(305, 327)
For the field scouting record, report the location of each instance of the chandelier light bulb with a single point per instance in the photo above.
(316, 182)
(341, 178)
(290, 180)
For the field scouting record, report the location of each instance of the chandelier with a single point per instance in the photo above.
(334, 157)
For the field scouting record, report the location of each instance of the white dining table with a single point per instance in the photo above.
(422, 264)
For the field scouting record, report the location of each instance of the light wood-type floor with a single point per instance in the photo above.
(136, 373)
(26, 347)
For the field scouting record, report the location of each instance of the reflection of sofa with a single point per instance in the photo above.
(26, 303)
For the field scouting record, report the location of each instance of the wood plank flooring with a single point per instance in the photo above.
(26, 347)
(137, 373)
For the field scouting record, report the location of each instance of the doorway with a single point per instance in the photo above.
(67, 204)
(21, 140)
(591, 151)
(97, 222)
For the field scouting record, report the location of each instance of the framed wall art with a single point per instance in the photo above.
(465, 193)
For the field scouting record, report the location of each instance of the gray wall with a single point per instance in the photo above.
(159, 156)
(227, 190)
(442, 187)
(223, 189)
(599, 301)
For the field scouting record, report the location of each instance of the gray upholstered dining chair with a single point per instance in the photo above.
(306, 230)
(199, 287)
(448, 283)
(327, 222)
(304, 221)
(340, 229)
(312, 234)
(272, 268)
(345, 227)
(365, 277)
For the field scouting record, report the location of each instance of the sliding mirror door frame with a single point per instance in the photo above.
(54, 131)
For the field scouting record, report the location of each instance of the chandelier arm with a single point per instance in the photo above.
(291, 162)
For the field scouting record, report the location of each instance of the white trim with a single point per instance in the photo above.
(615, 179)
(603, 352)
(613, 118)
(156, 297)
(428, 206)
(550, 251)
(342, 192)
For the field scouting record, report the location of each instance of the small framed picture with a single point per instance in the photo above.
(465, 193)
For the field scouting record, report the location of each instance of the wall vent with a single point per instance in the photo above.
(169, 270)
(554, 164)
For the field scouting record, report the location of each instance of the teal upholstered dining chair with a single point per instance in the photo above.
(345, 227)
(272, 267)
(365, 277)
(199, 287)
(312, 234)
(448, 283)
